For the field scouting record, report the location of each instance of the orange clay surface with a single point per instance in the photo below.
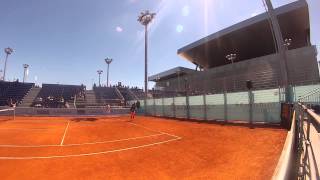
(146, 148)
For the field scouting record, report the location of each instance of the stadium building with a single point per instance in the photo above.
(255, 56)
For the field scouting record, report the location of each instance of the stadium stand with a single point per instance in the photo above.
(137, 93)
(107, 95)
(57, 96)
(163, 94)
(14, 91)
(27, 101)
(126, 93)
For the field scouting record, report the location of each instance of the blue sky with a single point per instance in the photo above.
(66, 41)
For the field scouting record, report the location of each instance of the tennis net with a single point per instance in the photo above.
(7, 114)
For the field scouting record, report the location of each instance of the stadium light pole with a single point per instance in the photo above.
(145, 18)
(8, 51)
(99, 73)
(108, 61)
(25, 71)
(231, 58)
(287, 42)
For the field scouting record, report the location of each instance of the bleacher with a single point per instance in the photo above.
(127, 95)
(164, 94)
(107, 95)
(55, 95)
(14, 91)
(139, 93)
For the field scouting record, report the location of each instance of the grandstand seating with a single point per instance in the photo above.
(127, 95)
(55, 95)
(138, 93)
(164, 94)
(107, 95)
(13, 90)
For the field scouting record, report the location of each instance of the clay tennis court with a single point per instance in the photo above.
(146, 148)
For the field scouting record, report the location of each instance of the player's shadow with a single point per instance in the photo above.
(84, 119)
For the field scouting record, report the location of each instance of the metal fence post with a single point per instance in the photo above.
(250, 95)
(154, 107)
(225, 106)
(188, 106)
(145, 106)
(174, 107)
(163, 107)
(279, 91)
(205, 107)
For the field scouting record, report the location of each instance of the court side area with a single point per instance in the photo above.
(145, 148)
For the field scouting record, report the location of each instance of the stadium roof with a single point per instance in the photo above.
(171, 73)
(251, 38)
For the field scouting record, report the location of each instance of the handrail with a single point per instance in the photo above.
(315, 116)
(284, 168)
(309, 93)
(309, 142)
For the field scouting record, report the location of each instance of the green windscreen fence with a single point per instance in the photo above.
(266, 105)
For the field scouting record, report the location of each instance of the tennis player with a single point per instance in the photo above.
(132, 111)
(108, 108)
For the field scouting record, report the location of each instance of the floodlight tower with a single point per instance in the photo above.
(108, 61)
(287, 42)
(231, 57)
(99, 73)
(8, 51)
(25, 72)
(145, 18)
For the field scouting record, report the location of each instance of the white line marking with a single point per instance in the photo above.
(138, 125)
(88, 154)
(88, 143)
(64, 134)
(29, 129)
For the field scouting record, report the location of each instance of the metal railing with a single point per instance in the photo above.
(308, 141)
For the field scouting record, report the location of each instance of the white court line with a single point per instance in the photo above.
(64, 134)
(138, 125)
(88, 143)
(88, 154)
(29, 129)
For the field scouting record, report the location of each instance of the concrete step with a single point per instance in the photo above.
(30, 97)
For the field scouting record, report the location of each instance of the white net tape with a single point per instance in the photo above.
(8, 113)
